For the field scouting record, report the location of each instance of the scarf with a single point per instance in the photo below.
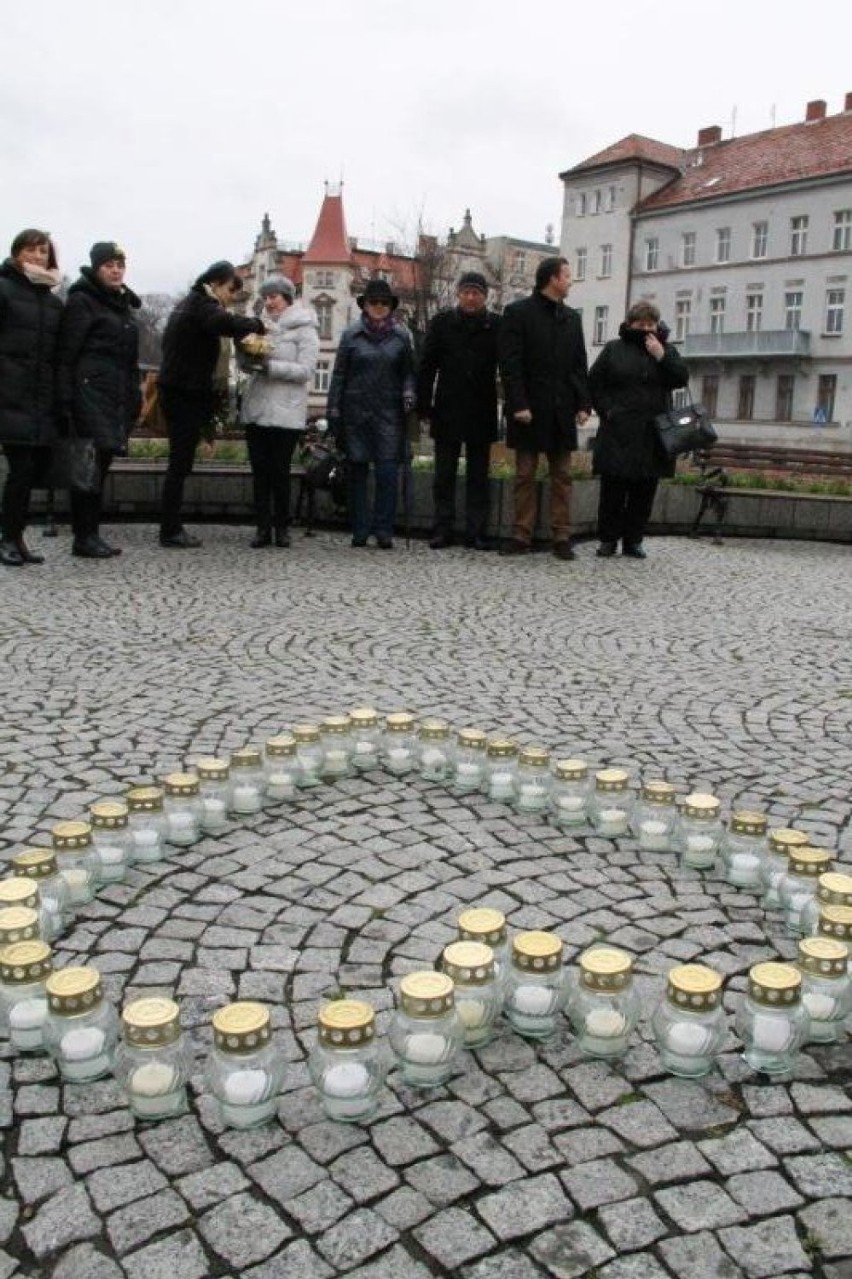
(378, 330)
(44, 277)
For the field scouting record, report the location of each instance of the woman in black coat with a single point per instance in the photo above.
(29, 324)
(631, 382)
(98, 379)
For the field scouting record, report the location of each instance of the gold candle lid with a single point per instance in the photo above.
(182, 785)
(347, 1023)
(835, 921)
(534, 757)
(427, 994)
(472, 739)
(25, 961)
(658, 792)
(775, 984)
(71, 836)
(145, 799)
(571, 770)
(108, 814)
(501, 748)
(434, 730)
(246, 757)
(606, 969)
(694, 988)
(783, 839)
(334, 724)
(364, 717)
(702, 806)
(19, 891)
(400, 722)
(72, 992)
(823, 957)
(18, 923)
(537, 952)
(35, 863)
(212, 769)
(305, 734)
(744, 822)
(151, 1022)
(612, 779)
(835, 888)
(281, 745)
(468, 963)
(483, 924)
(809, 863)
(242, 1027)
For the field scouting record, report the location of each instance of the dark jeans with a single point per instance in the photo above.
(187, 415)
(270, 450)
(477, 457)
(624, 508)
(383, 516)
(26, 464)
(86, 507)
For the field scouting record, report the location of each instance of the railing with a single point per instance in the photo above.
(766, 343)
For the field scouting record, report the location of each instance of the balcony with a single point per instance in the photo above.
(765, 344)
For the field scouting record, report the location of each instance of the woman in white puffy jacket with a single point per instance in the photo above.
(275, 404)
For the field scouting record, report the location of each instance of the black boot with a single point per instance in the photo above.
(28, 556)
(10, 555)
(90, 548)
(263, 537)
(282, 537)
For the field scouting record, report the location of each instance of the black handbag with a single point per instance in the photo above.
(73, 465)
(684, 430)
(325, 469)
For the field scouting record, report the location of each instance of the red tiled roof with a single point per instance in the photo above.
(791, 153)
(633, 147)
(330, 243)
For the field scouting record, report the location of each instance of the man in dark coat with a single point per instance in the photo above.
(460, 351)
(544, 368)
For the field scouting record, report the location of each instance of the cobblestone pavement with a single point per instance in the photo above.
(723, 668)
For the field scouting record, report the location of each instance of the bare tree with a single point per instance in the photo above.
(151, 319)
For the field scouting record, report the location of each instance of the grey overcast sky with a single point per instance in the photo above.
(173, 125)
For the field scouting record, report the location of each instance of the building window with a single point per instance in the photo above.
(784, 389)
(606, 259)
(683, 313)
(754, 312)
(745, 397)
(826, 392)
(723, 244)
(322, 375)
(580, 264)
(793, 309)
(520, 262)
(717, 314)
(710, 393)
(601, 322)
(581, 205)
(387, 276)
(687, 248)
(842, 239)
(835, 300)
(597, 203)
(798, 236)
(759, 239)
(325, 319)
(610, 199)
(652, 253)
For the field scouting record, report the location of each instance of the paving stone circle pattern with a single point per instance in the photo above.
(727, 669)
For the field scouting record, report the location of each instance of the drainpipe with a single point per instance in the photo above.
(631, 245)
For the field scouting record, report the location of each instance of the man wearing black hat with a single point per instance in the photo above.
(457, 395)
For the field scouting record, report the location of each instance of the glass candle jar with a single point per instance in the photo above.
(434, 751)
(281, 770)
(39, 864)
(111, 840)
(571, 793)
(399, 743)
(366, 738)
(743, 849)
(81, 1030)
(21, 892)
(603, 1006)
(536, 985)
(535, 780)
(347, 1063)
(780, 843)
(488, 927)
(248, 781)
(689, 1023)
(501, 771)
(699, 831)
(309, 756)
(771, 1020)
(18, 923)
(76, 859)
(245, 1070)
(24, 968)
(799, 885)
(337, 747)
(426, 1034)
(469, 762)
(214, 792)
(833, 889)
(153, 1061)
(826, 987)
(655, 817)
(478, 995)
(146, 821)
(182, 809)
(612, 804)
(836, 922)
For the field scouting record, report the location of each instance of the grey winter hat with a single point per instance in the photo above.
(278, 284)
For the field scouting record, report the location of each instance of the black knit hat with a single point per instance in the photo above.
(378, 291)
(474, 280)
(105, 251)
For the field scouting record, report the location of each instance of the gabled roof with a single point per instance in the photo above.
(633, 147)
(330, 243)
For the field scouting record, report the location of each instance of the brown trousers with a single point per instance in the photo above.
(559, 470)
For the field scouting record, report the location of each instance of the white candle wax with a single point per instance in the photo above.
(246, 798)
(770, 1034)
(534, 1000)
(146, 838)
(501, 786)
(26, 1022)
(605, 1023)
(472, 1012)
(336, 761)
(744, 870)
(688, 1040)
(183, 828)
(213, 811)
(570, 803)
(433, 758)
(398, 758)
(346, 1079)
(147, 845)
(153, 1090)
(532, 796)
(820, 1007)
(281, 785)
(425, 1047)
(246, 1087)
(81, 1055)
(110, 854)
(365, 748)
(653, 835)
(700, 843)
(76, 878)
(612, 821)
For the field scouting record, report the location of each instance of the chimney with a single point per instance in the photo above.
(847, 104)
(815, 110)
(710, 136)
